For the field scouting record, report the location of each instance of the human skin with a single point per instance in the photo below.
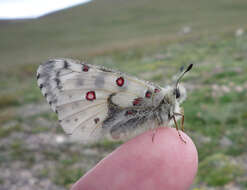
(166, 163)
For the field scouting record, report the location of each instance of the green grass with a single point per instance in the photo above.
(67, 176)
(97, 28)
(7, 115)
(106, 145)
(18, 151)
(8, 100)
(218, 170)
(6, 131)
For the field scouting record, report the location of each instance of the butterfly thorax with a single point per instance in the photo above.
(166, 108)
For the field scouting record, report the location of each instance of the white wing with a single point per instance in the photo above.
(78, 93)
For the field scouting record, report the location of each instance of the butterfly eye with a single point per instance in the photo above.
(177, 93)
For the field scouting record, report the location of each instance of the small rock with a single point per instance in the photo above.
(186, 30)
(239, 88)
(239, 32)
(231, 84)
(161, 56)
(225, 89)
(10, 124)
(32, 109)
(232, 186)
(215, 87)
(90, 151)
(200, 139)
(225, 142)
(60, 139)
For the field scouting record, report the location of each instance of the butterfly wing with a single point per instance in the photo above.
(91, 100)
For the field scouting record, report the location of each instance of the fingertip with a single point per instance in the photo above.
(173, 163)
(165, 163)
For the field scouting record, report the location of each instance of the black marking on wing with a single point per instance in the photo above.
(66, 64)
(112, 107)
(48, 78)
(105, 69)
(58, 83)
(79, 82)
(121, 120)
(99, 81)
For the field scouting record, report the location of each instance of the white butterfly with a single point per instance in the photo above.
(93, 102)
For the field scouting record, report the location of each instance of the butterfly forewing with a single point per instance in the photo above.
(81, 94)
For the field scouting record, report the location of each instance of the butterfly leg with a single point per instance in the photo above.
(180, 136)
(182, 120)
(154, 133)
(154, 130)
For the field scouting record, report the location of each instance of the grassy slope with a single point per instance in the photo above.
(212, 113)
(101, 26)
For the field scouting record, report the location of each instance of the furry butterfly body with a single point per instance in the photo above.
(93, 102)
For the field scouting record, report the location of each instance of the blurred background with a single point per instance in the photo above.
(144, 38)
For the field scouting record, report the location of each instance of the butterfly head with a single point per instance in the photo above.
(178, 90)
(175, 94)
(179, 93)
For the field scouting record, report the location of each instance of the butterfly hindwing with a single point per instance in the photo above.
(80, 94)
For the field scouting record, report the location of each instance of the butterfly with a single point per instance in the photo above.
(93, 102)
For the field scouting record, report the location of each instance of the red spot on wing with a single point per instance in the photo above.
(137, 102)
(130, 112)
(120, 81)
(156, 90)
(90, 96)
(85, 68)
(148, 94)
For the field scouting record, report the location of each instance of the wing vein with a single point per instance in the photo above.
(86, 121)
(93, 105)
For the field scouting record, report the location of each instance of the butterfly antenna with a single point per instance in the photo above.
(182, 74)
